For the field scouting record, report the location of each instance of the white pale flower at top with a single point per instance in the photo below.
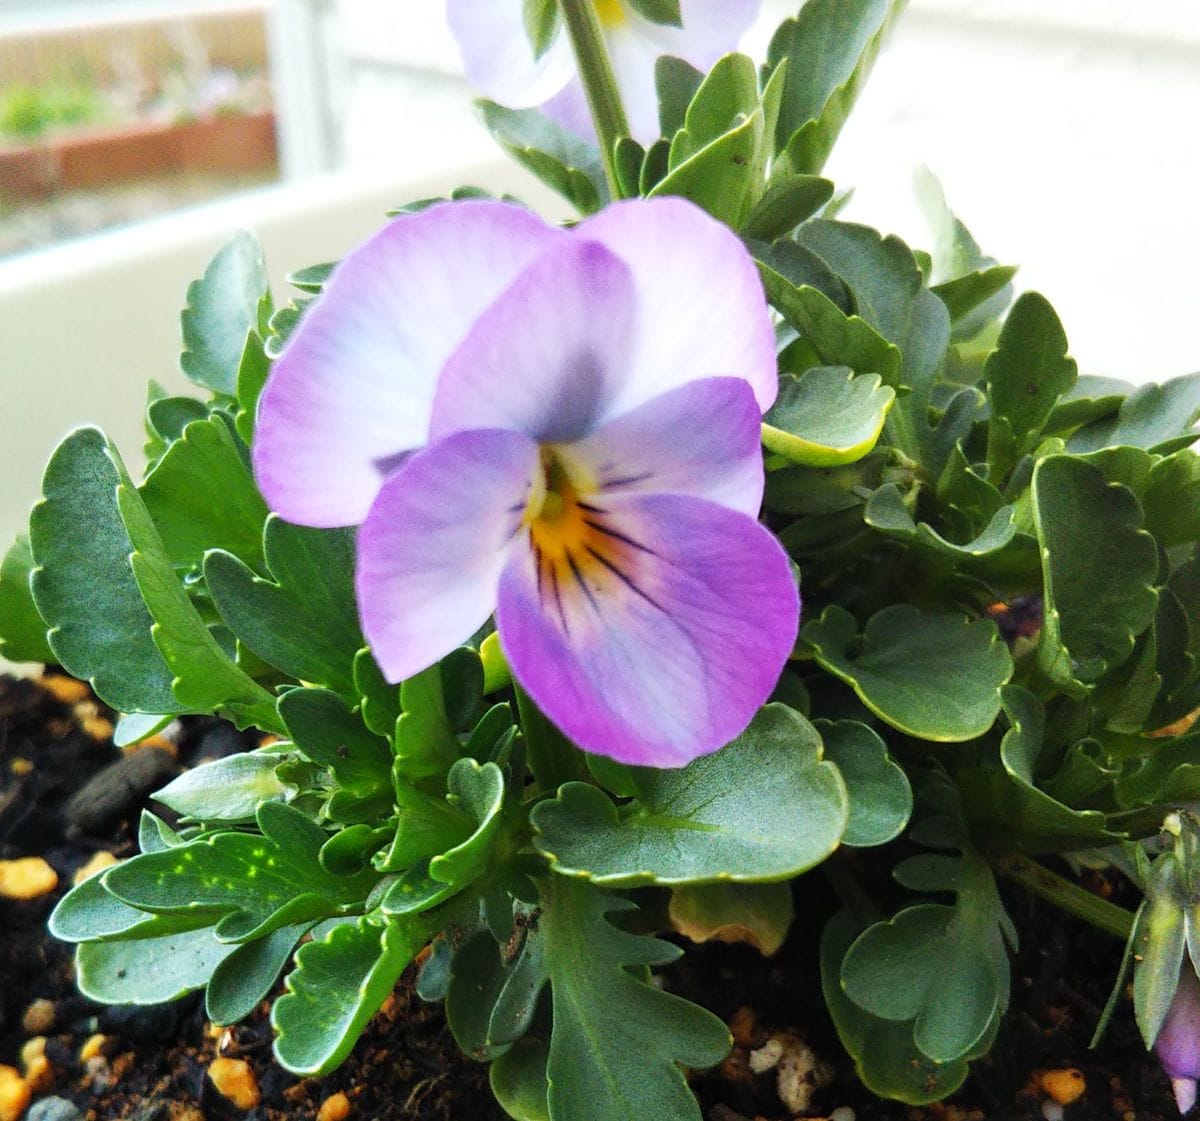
(500, 62)
(561, 428)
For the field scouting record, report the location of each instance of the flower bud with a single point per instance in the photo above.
(1178, 1043)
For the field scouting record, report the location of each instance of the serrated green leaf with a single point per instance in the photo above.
(617, 1041)
(100, 629)
(304, 620)
(229, 789)
(22, 628)
(246, 977)
(223, 307)
(477, 789)
(563, 162)
(201, 496)
(252, 377)
(726, 97)
(253, 884)
(1100, 568)
(830, 48)
(880, 797)
(89, 913)
(338, 984)
(1091, 398)
(931, 675)
(148, 970)
(827, 416)
(1026, 374)
(966, 294)
(1171, 499)
(885, 1056)
(425, 744)
(379, 700)
(1159, 418)
(725, 816)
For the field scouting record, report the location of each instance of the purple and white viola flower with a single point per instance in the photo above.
(1178, 1042)
(561, 427)
(500, 62)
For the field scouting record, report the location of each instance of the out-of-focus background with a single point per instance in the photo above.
(137, 135)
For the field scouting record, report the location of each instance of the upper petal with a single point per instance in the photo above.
(498, 57)
(664, 647)
(548, 358)
(432, 548)
(701, 308)
(702, 439)
(354, 387)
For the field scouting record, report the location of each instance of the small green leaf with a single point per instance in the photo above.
(338, 984)
(885, 1056)
(725, 816)
(931, 675)
(201, 496)
(676, 82)
(22, 629)
(966, 294)
(1026, 375)
(726, 97)
(148, 970)
(827, 416)
(425, 743)
(617, 1042)
(246, 977)
(229, 789)
(223, 307)
(830, 48)
(887, 513)
(379, 700)
(1100, 568)
(252, 377)
(1159, 418)
(788, 201)
(659, 11)
(304, 620)
(322, 725)
(541, 25)
(89, 913)
(563, 162)
(881, 799)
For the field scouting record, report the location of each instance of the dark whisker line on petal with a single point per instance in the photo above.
(562, 615)
(618, 536)
(581, 582)
(537, 560)
(627, 480)
(624, 578)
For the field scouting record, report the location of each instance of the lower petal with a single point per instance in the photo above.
(661, 646)
(432, 548)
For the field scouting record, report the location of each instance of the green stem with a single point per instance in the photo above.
(1066, 895)
(551, 758)
(599, 83)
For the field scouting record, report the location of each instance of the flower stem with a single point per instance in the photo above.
(1067, 896)
(599, 83)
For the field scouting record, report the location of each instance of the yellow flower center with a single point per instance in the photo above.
(611, 13)
(578, 554)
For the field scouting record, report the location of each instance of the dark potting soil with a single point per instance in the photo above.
(152, 1064)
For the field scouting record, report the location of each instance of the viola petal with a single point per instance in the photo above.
(711, 28)
(498, 57)
(433, 546)
(354, 387)
(548, 357)
(660, 644)
(718, 328)
(702, 439)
